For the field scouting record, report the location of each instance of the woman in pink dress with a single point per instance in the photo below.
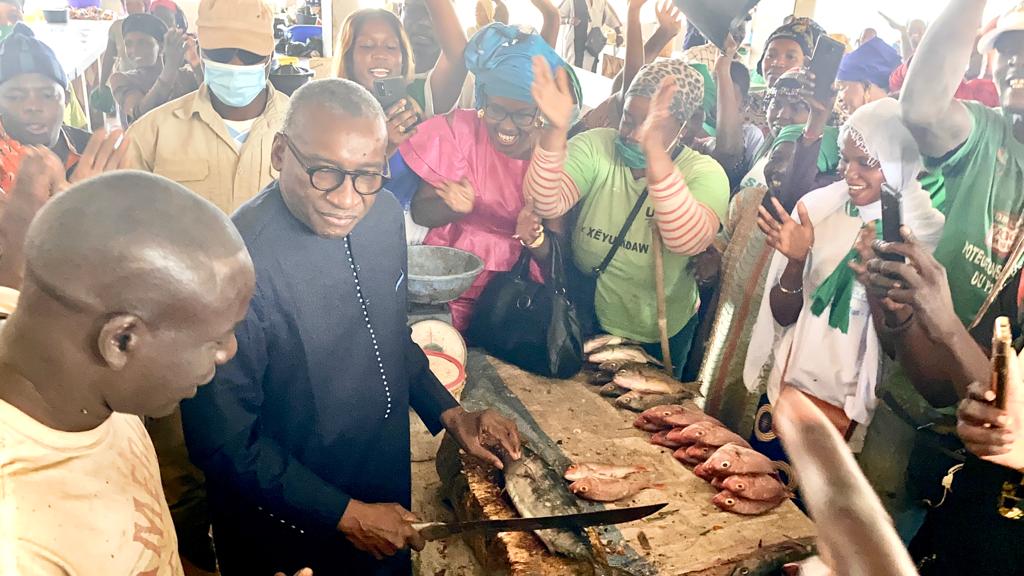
(472, 162)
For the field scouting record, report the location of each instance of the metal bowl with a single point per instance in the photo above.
(438, 274)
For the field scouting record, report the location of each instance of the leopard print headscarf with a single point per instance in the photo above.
(689, 83)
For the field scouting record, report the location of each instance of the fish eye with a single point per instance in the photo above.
(729, 502)
(740, 485)
(583, 488)
(725, 464)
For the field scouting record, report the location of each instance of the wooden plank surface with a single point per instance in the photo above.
(568, 420)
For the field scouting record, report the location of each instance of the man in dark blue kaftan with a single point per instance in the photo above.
(304, 436)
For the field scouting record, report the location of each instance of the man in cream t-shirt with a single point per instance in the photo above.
(133, 286)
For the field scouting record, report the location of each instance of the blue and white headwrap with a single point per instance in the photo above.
(501, 58)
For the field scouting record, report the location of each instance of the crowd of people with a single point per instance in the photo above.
(232, 268)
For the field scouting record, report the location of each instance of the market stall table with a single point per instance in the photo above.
(567, 420)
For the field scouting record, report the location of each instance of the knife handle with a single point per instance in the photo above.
(432, 530)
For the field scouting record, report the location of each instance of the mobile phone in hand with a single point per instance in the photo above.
(825, 60)
(892, 220)
(387, 91)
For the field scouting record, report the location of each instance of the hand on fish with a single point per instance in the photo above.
(475, 431)
(380, 529)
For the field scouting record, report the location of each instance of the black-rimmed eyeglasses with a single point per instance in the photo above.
(330, 178)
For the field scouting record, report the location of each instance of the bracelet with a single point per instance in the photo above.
(808, 141)
(791, 292)
(536, 243)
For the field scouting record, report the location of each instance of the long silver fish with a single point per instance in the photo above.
(625, 353)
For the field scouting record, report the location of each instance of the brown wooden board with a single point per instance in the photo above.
(565, 421)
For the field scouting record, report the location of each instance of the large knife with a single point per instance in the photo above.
(441, 530)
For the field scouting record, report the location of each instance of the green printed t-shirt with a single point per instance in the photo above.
(983, 208)
(625, 301)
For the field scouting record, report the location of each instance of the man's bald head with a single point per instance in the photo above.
(129, 242)
(133, 287)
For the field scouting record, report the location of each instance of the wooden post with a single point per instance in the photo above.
(659, 288)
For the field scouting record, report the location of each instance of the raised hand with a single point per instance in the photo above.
(402, 118)
(792, 239)
(175, 49)
(552, 94)
(670, 18)
(893, 23)
(458, 196)
(105, 152)
(919, 283)
(658, 130)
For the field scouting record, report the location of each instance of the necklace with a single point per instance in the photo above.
(369, 326)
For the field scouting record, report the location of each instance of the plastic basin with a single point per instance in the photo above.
(438, 274)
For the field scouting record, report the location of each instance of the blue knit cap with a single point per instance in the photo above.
(21, 53)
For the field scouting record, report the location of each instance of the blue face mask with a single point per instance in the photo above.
(631, 153)
(236, 86)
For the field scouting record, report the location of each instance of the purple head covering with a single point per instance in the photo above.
(873, 62)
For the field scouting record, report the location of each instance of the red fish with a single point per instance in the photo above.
(730, 502)
(610, 489)
(684, 419)
(646, 425)
(662, 439)
(762, 487)
(659, 413)
(711, 434)
(692, 455)
(702, 472)
(734, 459)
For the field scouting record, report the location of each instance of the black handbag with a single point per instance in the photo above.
(596, 41)
(529, 324)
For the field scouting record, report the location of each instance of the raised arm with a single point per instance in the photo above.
(939, 123)
(687, 225)
(635, 57)
(793, 240)
(547, 185)
(552, 21)
(449, 73)
(669, 25)
(728, 149)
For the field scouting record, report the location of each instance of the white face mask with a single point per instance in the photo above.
(236, 86)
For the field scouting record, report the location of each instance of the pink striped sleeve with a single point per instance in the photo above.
(687, 227)
(553, 191)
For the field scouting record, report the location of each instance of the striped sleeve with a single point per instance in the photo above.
(552, 189)
(687, 226)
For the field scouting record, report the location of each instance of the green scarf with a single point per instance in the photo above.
(836, 292)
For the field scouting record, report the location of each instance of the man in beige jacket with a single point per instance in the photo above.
(216, 141)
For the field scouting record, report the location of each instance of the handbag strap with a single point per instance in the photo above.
(621, 236)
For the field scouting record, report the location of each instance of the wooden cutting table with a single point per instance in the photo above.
(567, 420)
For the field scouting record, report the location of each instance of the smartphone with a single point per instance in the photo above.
(768, 205)
(892, 220)
(825, 60)
(387, 91)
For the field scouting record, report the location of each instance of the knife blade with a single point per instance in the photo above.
(441, 530)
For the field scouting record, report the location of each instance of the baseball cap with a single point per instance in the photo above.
(242, 24)
(1010, 22)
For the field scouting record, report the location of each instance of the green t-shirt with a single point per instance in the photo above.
(625, 301)
(984, 207)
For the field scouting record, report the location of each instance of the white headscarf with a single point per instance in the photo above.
(878, 130)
